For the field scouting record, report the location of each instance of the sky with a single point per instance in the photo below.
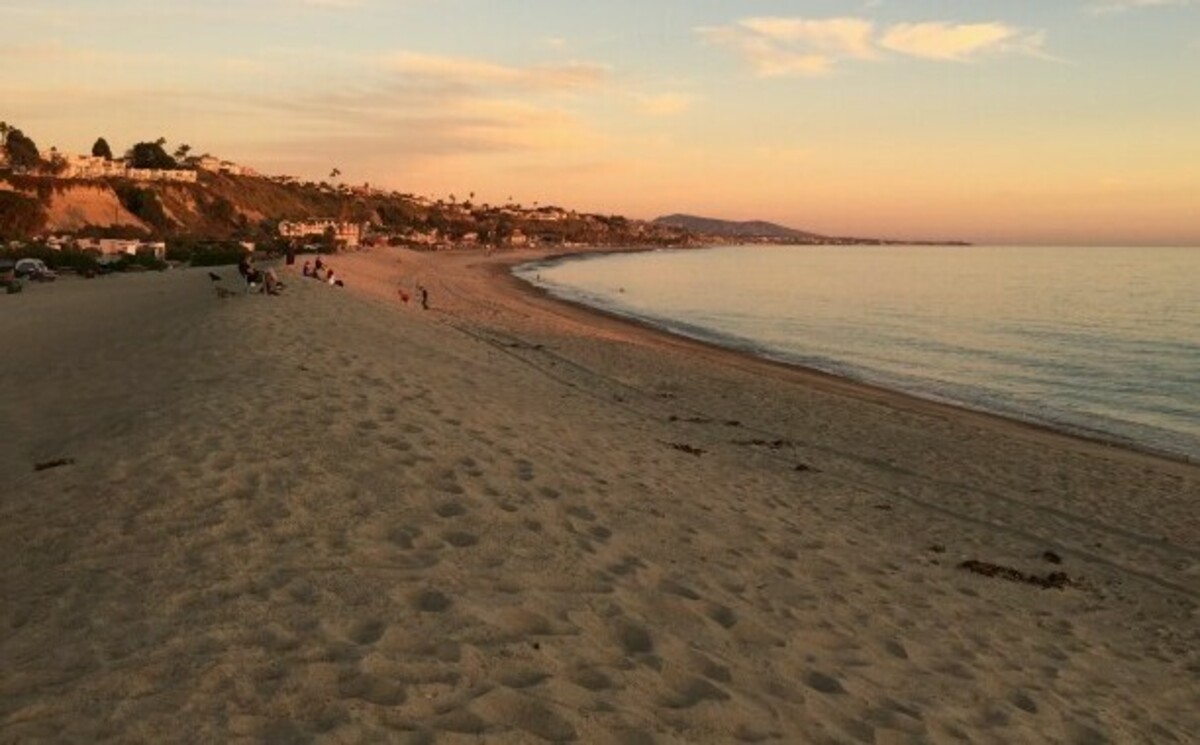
(1001, 121)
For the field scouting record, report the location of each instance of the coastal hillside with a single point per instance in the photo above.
(222, 206)
(731, 229)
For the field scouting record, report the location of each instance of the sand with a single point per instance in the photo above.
(330, 516)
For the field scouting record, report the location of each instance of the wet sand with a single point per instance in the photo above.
(332, 516)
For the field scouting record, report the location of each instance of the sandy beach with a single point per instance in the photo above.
(332, 516)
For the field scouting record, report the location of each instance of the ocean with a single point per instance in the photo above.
(1103, 342)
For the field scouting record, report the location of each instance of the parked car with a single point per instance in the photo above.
(35, 269)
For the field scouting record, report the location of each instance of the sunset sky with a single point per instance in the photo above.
(1061, 121)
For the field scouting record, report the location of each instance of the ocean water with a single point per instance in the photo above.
(1098, 341)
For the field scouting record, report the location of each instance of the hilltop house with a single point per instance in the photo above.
(213, 164)
(91, 166)
(96, 167)
(160, 174)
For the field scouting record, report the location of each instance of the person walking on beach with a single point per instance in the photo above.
(424, 297)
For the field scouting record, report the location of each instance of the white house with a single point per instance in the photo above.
(162, 174)
(92, 166)
(349, 233)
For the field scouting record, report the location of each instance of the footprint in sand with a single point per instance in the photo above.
(823, 683)
(367, 632)
(627, 565)
(460, 538)
(581, 512)
(430, 601)
(591, 679)
(691, 692)
(370, 688)
(671, 587)
(896, 649)
(524, 470)
(634, 639)
(723, 615)
(521, 678)
(450, 509)
(403, 536)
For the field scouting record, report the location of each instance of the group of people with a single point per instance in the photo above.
(314, 271)
(264, 278)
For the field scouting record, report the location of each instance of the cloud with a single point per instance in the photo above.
(470, 72)
(766, 56)
(842, 37)
(775, 46)
(945, 41)
(1121, 6)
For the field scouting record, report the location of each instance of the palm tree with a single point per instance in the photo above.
(335, 173)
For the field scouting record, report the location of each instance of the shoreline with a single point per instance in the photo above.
(805, 375)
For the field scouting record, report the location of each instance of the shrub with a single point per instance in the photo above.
(20, 216)
(143, 204)
(218, 254)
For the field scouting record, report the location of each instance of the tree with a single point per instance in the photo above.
(182, 151)
(22, 152)
(57, 162)
(150, 155)
(335, 173)
(101, 149)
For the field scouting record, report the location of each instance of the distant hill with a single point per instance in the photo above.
(730, 229)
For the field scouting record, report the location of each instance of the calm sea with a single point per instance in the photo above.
(1098, 341)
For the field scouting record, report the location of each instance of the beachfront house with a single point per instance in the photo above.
(347, 234)
(114, 248)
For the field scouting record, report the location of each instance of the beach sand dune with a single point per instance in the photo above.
(332, 516)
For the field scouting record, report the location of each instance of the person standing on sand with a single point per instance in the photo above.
(424, 297)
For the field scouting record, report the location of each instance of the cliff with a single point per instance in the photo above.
(223, 206)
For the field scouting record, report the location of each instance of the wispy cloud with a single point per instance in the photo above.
(470, 72)
(946, 41)
(1122, 6)
(838, 37)
(775, 46)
